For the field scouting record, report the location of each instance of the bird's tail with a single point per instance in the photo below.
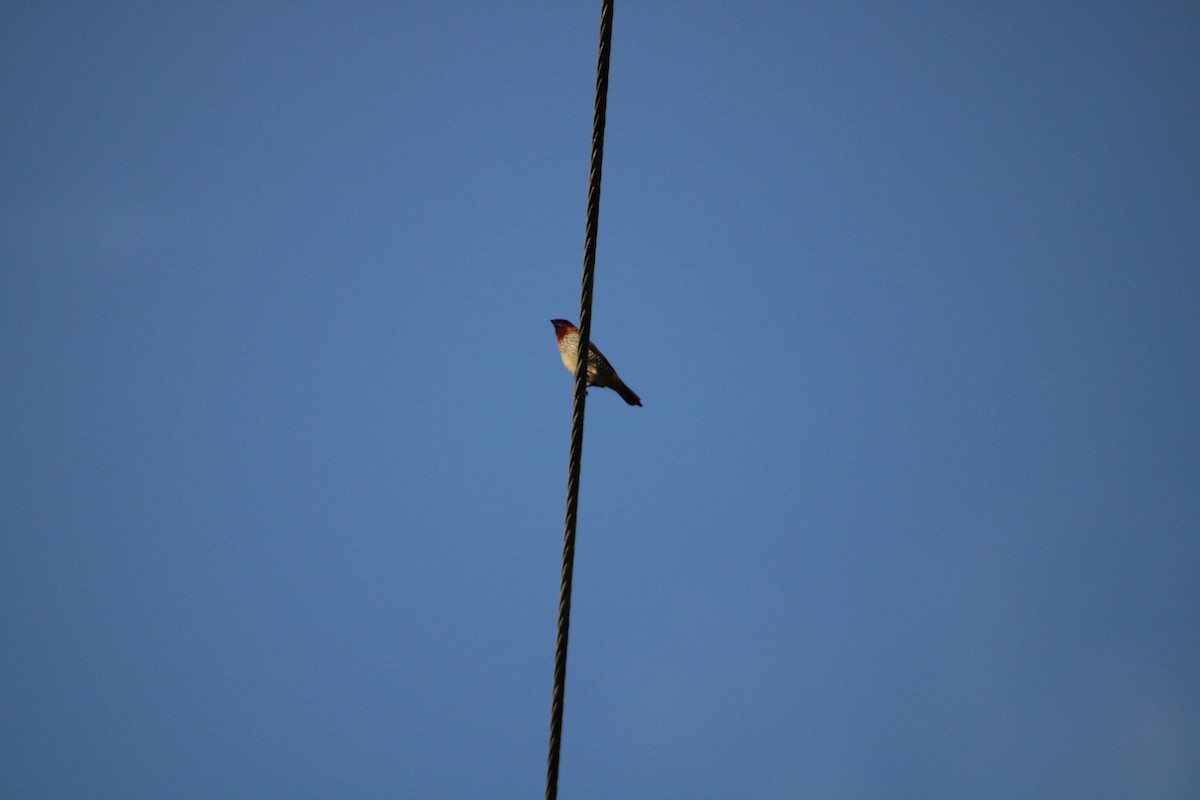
(627, 394)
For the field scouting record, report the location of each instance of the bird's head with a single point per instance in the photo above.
(563, 327)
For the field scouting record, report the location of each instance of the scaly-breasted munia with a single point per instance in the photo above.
(599, 371)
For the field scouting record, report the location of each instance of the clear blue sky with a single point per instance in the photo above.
(911, 293)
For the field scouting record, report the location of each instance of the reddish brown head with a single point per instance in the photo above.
(563, 327)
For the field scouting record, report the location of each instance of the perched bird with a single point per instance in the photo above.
(599, 371)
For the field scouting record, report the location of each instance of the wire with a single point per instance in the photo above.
(585, 329)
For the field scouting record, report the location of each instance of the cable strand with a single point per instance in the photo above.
(585, 328)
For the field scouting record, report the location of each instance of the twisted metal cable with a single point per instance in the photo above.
(585, 329)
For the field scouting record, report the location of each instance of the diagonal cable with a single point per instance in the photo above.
(585, 329)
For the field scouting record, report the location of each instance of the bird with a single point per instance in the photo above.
(599, 371)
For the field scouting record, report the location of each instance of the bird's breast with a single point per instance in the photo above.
(568, 348)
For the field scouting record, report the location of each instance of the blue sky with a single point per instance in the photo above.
(910, 293)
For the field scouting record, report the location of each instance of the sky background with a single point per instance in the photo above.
(911, 293)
